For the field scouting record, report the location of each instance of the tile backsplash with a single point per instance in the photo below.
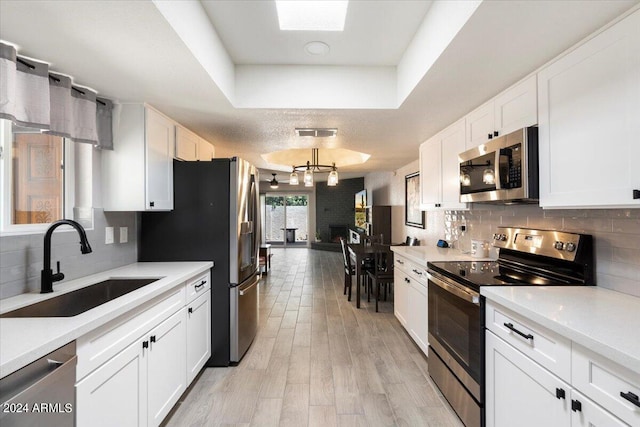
(21, 257)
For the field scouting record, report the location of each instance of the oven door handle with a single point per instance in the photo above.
(455, 289)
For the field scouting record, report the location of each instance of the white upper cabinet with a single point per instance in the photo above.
(480, 125)
(513, 109)
(206, 151)
(186, 144)
(440, 169)
(430, 173)
(138, 174)
(516, 107)
(590, 122)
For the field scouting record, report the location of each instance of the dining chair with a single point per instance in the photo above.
(349, 270)
(382, 274)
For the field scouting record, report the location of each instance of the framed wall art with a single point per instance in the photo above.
(413, 216)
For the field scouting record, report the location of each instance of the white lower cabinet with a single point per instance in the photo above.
(198, 328)
(141, 384)
(590, 414)
(519, 391)
(166, 356)
(410, 300)
(418, 314)
(401, 297)
(114, 395)
(132, 370)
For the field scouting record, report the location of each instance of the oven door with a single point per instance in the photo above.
(455, 330)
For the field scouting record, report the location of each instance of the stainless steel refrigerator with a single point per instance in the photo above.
(215, 218)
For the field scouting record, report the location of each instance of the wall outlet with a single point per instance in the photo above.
(108, 235)
(124, 234)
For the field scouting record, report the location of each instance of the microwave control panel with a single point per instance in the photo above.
(513, 172)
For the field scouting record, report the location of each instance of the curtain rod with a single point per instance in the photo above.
(74, 88)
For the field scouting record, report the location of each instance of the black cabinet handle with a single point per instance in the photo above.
(153, 338)
(145, 344)
(631, 397)
(522, 334)
(576, 405)
(490, 136)
(152, 204)
(190, 310)
(204, 282)
(636, 194)
(407, 280)
(560, 394)
(419, 273)
(495, 133)
(400, 262)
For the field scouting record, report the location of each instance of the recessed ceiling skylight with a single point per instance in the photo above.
(311, 15)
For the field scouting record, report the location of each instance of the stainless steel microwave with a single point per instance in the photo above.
(503, 170)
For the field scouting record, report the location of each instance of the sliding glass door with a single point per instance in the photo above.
(286, 219)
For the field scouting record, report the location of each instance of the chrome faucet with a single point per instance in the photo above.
(47, 275)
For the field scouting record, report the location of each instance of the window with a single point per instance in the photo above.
(39, 185)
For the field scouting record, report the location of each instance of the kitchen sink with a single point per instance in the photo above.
(76, 302)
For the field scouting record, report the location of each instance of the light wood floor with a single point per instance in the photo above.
(318, 361)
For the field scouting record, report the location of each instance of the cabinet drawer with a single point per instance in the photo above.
(546, 347)
(412, 270)
(103, 343)
(604, 381)
(198, 286)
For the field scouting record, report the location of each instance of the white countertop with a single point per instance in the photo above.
(599, 319)
(23, 340)
(423, 254)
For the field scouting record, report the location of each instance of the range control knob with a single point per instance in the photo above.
(570, 247)
(496, 236)
(503, 237)
(558, 245)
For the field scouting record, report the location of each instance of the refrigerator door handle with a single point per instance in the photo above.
(246, 289)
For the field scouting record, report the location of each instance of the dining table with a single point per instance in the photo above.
(358, 252)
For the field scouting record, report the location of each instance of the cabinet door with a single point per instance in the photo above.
(452, 142)
(590, 414)
(400, 296)
(480, 124)
(517, 107)
(417, 297)
(114, 395)
(430, 173)
(186, 144)
(206, 151)
(159, 146)
(589, 107)
(198, 334)
(166, 367)
(519, 392)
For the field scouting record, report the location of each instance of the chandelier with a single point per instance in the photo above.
(312, 167)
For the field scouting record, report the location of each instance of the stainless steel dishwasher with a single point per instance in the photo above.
(42, 393)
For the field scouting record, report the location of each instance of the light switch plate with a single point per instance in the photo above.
(108, 235)
(124, 234)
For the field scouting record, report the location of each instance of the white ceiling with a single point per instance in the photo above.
(127, 50)
(375, 33)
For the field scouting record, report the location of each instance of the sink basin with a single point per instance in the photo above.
(76, 302)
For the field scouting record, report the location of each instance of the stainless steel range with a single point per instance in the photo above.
(456, 310)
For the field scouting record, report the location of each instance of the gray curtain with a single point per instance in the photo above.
(83, 112)
(104, 123)
(61, 115)
(24, 89)
(31, 96)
